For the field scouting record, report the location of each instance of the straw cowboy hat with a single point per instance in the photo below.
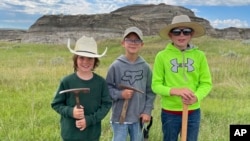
(183, 21)
(86, 46)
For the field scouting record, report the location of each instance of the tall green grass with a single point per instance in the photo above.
(30, 74)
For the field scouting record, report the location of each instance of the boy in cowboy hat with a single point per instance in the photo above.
(181, 76)
(83, 124)
(131, 70)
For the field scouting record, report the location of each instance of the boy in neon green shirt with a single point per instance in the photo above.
(181, 76)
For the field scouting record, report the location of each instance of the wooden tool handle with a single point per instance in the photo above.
(184, 123)
(124, 111)
(78, 105)
(77, 101)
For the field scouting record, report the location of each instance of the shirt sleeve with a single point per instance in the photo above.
(58, 103)
(205, 84)
(158, 77)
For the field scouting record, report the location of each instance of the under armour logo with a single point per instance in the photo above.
(188, 65)
(132, 76)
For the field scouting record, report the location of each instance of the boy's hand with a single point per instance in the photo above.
(145, 118)
(127, 94)
(81, 124)
(78, 113)
(190, 101)
(185, 93)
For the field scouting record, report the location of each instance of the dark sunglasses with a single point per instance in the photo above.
(185, 31)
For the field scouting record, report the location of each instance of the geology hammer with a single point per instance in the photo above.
(125, 104)
(76, 92)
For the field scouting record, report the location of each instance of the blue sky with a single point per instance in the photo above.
(21, 14)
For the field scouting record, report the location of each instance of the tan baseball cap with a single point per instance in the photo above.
(135, 30)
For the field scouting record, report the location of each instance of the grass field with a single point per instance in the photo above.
(30, 73)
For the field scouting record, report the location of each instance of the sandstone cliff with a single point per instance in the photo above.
(150, 18)
(233, 33)
(12, 35)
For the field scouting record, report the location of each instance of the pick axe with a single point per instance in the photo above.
(125, 104)
(76, 92)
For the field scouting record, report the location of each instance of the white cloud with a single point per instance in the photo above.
(229, 23)
(196, 11)
(43, 7)
(50, 2)
(47, 6)
(225, 2)
(98, 6)
(201, 2)
(17, 21)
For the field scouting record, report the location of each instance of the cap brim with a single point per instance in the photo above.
(198, 29)
(125, 35)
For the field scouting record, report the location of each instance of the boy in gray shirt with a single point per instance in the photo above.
(131, 70)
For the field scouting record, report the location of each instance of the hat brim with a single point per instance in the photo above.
(86, 54)
(198, 29)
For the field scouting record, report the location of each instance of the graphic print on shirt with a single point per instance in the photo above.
(188, 65)
(132, 76)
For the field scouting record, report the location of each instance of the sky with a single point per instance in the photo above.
(21, 14)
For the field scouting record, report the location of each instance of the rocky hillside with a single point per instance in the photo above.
(233, 33)
(12, 35)
(149, 18)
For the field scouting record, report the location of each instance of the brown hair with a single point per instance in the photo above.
(74, 58)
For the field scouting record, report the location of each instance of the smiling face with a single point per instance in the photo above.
(132, 43)
(85, 64)
(181, 36)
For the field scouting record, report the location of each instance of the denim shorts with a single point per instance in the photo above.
(121, 132)
(171, 126)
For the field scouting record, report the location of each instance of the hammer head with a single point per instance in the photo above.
(76, 90)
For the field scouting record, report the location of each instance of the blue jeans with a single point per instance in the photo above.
(121, 131)
(171, 126)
